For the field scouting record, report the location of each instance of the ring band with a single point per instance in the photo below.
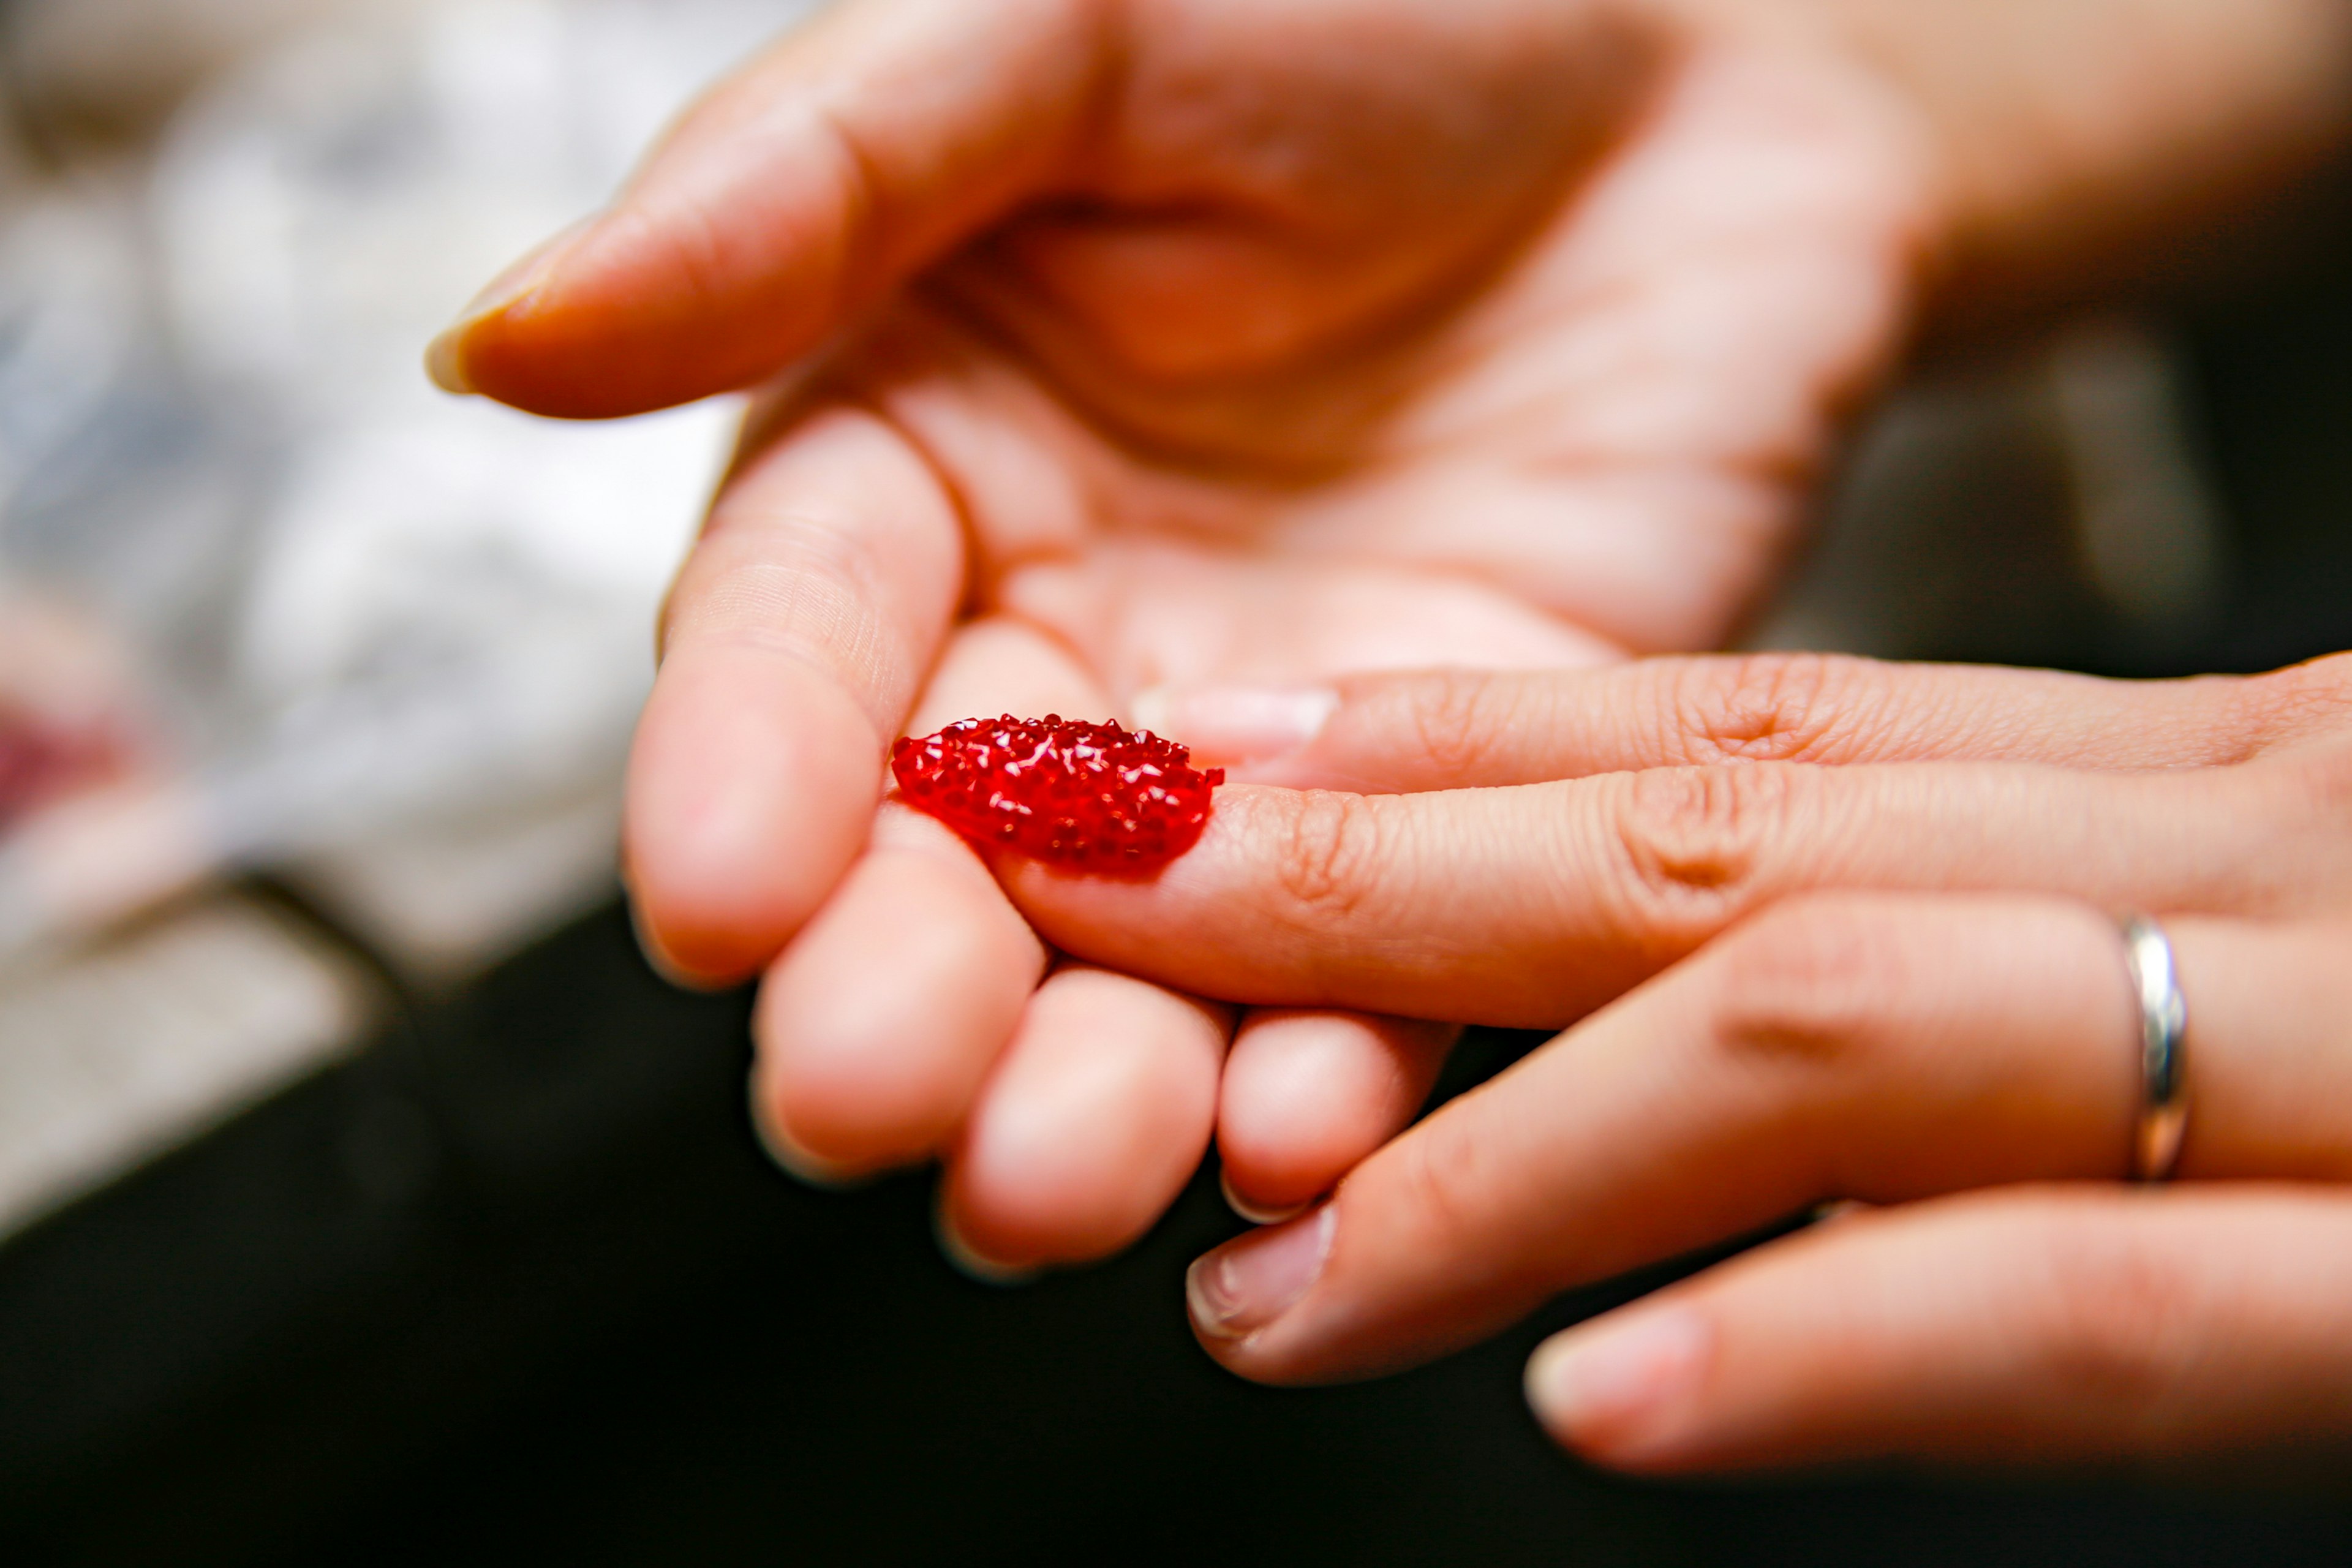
(2163, 1022)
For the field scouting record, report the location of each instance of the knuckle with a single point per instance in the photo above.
(1816, 982)
(1455, 723)
(1774, 708)
(1692, 843)
(2296, 806)
(2303, 799)
(2122, 1331)
(2325, 777)
(2292, 704)
(1327, 853)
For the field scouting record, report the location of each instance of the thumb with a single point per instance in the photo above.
(788, 198)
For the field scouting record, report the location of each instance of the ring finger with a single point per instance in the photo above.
(907, 1020)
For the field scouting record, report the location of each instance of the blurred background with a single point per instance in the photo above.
(362, 1196)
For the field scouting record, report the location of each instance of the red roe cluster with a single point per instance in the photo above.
(1092, 797)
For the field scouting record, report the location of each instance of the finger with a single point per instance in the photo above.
(1873, 1047)
(789, 199)
(1095, 1116)
(1527, 907)
(906, 1021)
(878, 1024)
(2070, 1325)
(794, 638)
(1308, 1095)
(1459, 729)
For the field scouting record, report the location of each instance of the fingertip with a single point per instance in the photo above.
(879, 1022)
(1209, 904)
(1254, 1212)
(969, 1260)
(666, 964)
(1237, 1291)
(751, 786)
(792, 1156)
(1096, 1117)
(445, 362)
(1621, 1390)
(1308, 1095)
(449, 358)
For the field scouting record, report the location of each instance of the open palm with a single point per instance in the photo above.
(1121, 348)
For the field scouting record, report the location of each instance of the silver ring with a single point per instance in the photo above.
(2163, 1024)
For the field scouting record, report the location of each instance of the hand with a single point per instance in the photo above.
(1874, 902)
(1174, 342)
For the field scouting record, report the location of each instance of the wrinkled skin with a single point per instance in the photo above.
(1127, 347)
(1822, 932)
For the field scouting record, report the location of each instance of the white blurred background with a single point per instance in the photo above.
(315, 684)
(269, 604)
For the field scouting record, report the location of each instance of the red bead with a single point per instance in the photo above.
(1093, 797)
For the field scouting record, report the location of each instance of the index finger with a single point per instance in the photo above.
(794, 643)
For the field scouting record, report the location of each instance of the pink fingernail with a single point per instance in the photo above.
(1252, 1212)
(1244, 1285)
(1620, 1379)
(796, 1160)
(445, 358)
(1236, 723)
(968, 1260)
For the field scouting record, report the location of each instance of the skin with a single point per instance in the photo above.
(1115, 346)
(1173, 343)
(1872, 906)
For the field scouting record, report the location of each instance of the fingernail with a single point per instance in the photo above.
(1244, 1285)
(1252, 1212)
(1236, 723)
(658, 958)
(445, 360)
(968, 1260)
(803, 1164)
(1621, 1379)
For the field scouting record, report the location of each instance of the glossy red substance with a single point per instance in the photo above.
(1091, 796)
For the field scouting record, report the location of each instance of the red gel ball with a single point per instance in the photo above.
(1093, 797)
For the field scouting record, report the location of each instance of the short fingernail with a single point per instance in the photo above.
(969, 1260)
(659, 960)
(1256, 1213)
(1621, 1380)
(801, 1164)
(1236, 723)
(445, 361)
(1244, 1285)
